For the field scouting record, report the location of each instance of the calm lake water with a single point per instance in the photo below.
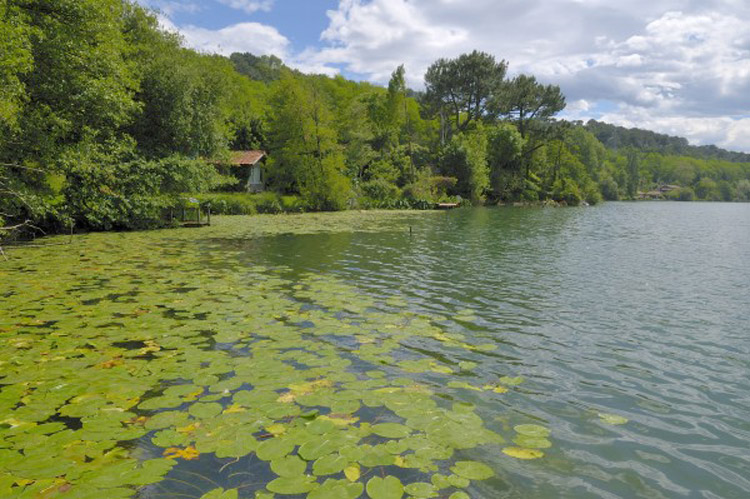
(609, 344)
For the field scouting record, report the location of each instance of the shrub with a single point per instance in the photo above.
(566, 191)
(381, 190)
(609, 189)
(268, 202)
(682, 194)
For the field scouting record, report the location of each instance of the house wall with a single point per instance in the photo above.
(255, 179)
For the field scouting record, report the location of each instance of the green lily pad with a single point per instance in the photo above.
(389, 487)
(288, 466)
(612, 419)
(391, 430)
(330, 465)
(205, 410)
(532, 442)
(274, 448)
(337, 489)
(220, 494)
(421, 489)
(317, 448)
(472, 470)
(300, 484)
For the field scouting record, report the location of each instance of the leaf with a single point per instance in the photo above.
(522, 453)
(330, 465)
(274, 448)
(205, 410)
(220, 494)
(188, 454)
(317, 448)
(352, 472)
(391, 430)
(532, 442)
(288, 466)
(612, 419)
(337, 489)
(300, 484)
(472, 470)
(421, 489)
(389, 487)
(459, 495)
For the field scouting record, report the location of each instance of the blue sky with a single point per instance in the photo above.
(675, 66)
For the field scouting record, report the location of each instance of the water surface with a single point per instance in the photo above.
(620, 330)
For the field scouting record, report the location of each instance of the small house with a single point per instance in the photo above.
(248, 166)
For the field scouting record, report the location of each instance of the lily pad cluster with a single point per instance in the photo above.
(196, 353)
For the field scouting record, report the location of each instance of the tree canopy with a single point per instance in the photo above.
(106, 120)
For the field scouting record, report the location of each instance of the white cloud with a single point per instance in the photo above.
(674, 61)
(259, 39)
(249, 6)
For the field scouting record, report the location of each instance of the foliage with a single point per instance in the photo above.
(113, 395)
(465, 88)
(93, 93)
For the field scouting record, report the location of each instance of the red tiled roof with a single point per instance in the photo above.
(246, 157)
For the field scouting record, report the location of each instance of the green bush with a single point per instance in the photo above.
(380, 189)
(293, 204)
(566, 191)
(609, 189)
(243, 203)
(682, 194)
(268, 202)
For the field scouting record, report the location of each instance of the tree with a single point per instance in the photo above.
(532, 107)
(505, 146)
(306, 157)
(465, 87)
(465, 158)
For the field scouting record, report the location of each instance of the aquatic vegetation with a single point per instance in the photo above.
(124, 363)
(612, 419)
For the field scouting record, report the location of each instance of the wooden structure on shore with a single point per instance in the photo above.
(446, 206)
(192, 215)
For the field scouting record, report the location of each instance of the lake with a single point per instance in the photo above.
(510, 352)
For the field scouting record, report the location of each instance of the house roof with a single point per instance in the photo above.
(241, 158)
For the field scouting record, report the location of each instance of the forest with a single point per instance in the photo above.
(107, 120)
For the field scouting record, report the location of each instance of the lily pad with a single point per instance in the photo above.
(522, 453)
(612, 419)
(472, 470)
(389, 487)
(288, 466)
(532, 430)
(391, 430)
(330, 465)
(421, 489)
(300, 484)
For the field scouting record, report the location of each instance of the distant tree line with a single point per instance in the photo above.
(106, 120)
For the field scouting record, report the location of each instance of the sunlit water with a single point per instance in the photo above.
(636, 310)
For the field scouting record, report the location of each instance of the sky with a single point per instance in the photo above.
(680, 67)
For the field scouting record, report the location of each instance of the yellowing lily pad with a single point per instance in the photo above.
(612, 419)
(522, 453)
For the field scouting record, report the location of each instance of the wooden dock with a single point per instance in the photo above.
(447, 206)
(193, 216)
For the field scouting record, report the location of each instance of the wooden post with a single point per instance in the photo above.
(209, 214)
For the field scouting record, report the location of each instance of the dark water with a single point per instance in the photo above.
(642, 310)
(638, 310)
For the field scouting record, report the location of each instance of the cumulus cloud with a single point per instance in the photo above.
(257, 38)
(673, 66)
